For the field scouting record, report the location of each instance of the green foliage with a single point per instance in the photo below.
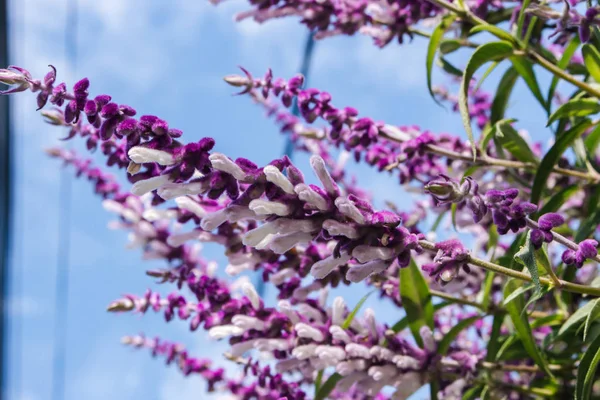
(575, 108)
(416, 300)
(328, 386)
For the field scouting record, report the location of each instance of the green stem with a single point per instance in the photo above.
(564, 285)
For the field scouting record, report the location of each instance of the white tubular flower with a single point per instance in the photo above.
(336, 228)
(286, 308)
(281, 244)
(322, 268)
(223, 331)
(250, 291)
(323, 294)
(406, 362)
(171, 190)
(337, 310)
(279, 277)
(188, 204)
(236, 269)
(275, 176)
(318, 364)
(340, 334)
(155, 214)
(146, 229)
(304, 352)
(369, 320)
(309, 196)
(113, 206)
(141, 155)
(271, 344)
(247, 323)
(360, 272)
(331, 354)
(285, 226)
(147, 185)
(177, 240)
(381, 353)
(318, 165)
(257, 235)
(266, 207)
(239, 213)
(348, 208)
(356, 350)
(382, 372)
(345, 368)
(307, 331)
(238, 349)
(222, 163)
(428, 339)
(365, 253)
(213, 220)
(310, 312)
(302, 293)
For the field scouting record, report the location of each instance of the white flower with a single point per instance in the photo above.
(250, 292)
(318, 165)
(309, 196)
(266, 207)
(365, 253)
(348, 208)
(307, 331)
(322, 268)
(357, 351)
(141, 155)
(147, 185)
(223, 331)
(275, 176)
(222, 163)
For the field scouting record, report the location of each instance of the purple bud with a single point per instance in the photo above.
(90, 108)
(568, 257)
(584, 32)
(50, 76)
(588, 248)
(102, 100)
(42, 99)
(71, 112)
(537, 238)
(127, 126)
(160, 127)
(109, 110)
(82, 86)
(387, 218)
(550, 220)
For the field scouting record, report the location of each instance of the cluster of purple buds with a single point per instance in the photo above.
(586, 249)
(507, 213)
(569, 18)
(546, 223)
(450, 258)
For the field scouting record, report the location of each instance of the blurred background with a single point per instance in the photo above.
(165, 58)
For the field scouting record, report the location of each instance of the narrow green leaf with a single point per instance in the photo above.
(493, 51)
(494, 30)
(592, 140)
(473, 393)
(521, 18)
(318, 381)
(563, 63)
(591, 317)
(517, 293)
(448, 67)
(444, 344)
(494, 343)
(488, 283)
(453, 209)
(577, 317)
(351, 316)
(558, 199)
(525, 68)
(416, 300)
(448, 46)
(549, 320)
(586, 372)
(591, 58)
(436, 38)
(526, 257)
(403, 323)
(328, 386)
(575, 108)
(487, 73)
(434, 388)
(505, 87)
(552, 157)
(521, 323)
(512, 141)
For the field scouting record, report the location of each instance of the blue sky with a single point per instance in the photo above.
(166, 58)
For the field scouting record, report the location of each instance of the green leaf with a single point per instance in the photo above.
(575, 108)
(563, 63)
(453, 209)
(521, 323)
(591, 317)
(473, 393)
(577, 317)
(552, 157)
(493, 51)
(328, 386)
(434, 388)
(505, 87)
(526, 257)
(488, 283)
(434, 43)
(521, 18)
(487, 73)
(549, 320)
(592, 140)
(448, 67)
(403, 323)
(494, 343)
(525, 68)
(444, 344)
(351, 316)
(318, 381)
(517, 293)
(416, 300)
(448, 46)
(591, 58)
(586, 372)
(512, 141)
(559, 199)
(494, 30)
